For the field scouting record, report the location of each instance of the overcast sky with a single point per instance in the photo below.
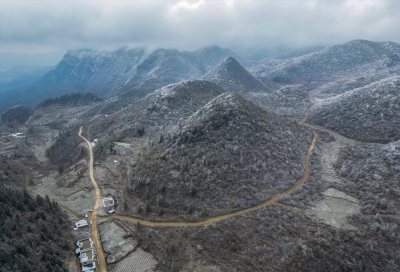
(51, 26)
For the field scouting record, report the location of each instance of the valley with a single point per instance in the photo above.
(212, 163)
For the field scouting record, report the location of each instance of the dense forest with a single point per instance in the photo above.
(74, 99)
(34, 233)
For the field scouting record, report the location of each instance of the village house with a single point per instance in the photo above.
(84, 244)
(80, 224)
(87, 259)
(108, 204)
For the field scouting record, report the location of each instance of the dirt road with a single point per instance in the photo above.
(268, 202)
(166, 223)
(102, 266)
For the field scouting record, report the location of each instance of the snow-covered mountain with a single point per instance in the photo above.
(106, 73)
(358, 58)
(91, 71)
(370, 113)
(167, 66)
(290, 102)
(231, 76)
(160, 110)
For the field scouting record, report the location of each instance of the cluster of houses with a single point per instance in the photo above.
(84, 248)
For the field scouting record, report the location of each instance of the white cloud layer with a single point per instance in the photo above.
(42, 25)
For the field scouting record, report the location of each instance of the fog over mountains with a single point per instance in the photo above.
(139, 71)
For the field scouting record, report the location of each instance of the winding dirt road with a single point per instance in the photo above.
(102, 266)
(165, 223)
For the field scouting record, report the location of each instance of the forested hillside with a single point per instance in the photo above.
(34, 233)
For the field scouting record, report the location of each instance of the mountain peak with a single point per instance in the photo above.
(231, 61)
(232, 76)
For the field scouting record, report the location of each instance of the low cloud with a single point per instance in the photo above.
(45, 25)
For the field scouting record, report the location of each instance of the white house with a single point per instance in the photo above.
(81, 224)
(18, 135)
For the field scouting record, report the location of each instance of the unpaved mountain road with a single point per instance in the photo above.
(273, 200)
(102, 266)
(202, 222)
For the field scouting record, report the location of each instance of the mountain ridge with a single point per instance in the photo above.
(135, 72)
(354, 58)
(369, 113)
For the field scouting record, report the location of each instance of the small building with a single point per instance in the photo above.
(18, 135)
(108, 204)
(84, 244)
(81, 224)
(88, 261)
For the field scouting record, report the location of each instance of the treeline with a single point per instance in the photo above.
(74, 99)
(34, 233)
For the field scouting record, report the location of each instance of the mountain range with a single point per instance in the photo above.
(354, 59)
(133, 73)
(108, 73)
(216, 163)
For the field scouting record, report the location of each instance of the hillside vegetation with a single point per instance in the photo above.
(358, 58)
(230, 154)
(370, 113)
(157, 112)
(34, 233)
